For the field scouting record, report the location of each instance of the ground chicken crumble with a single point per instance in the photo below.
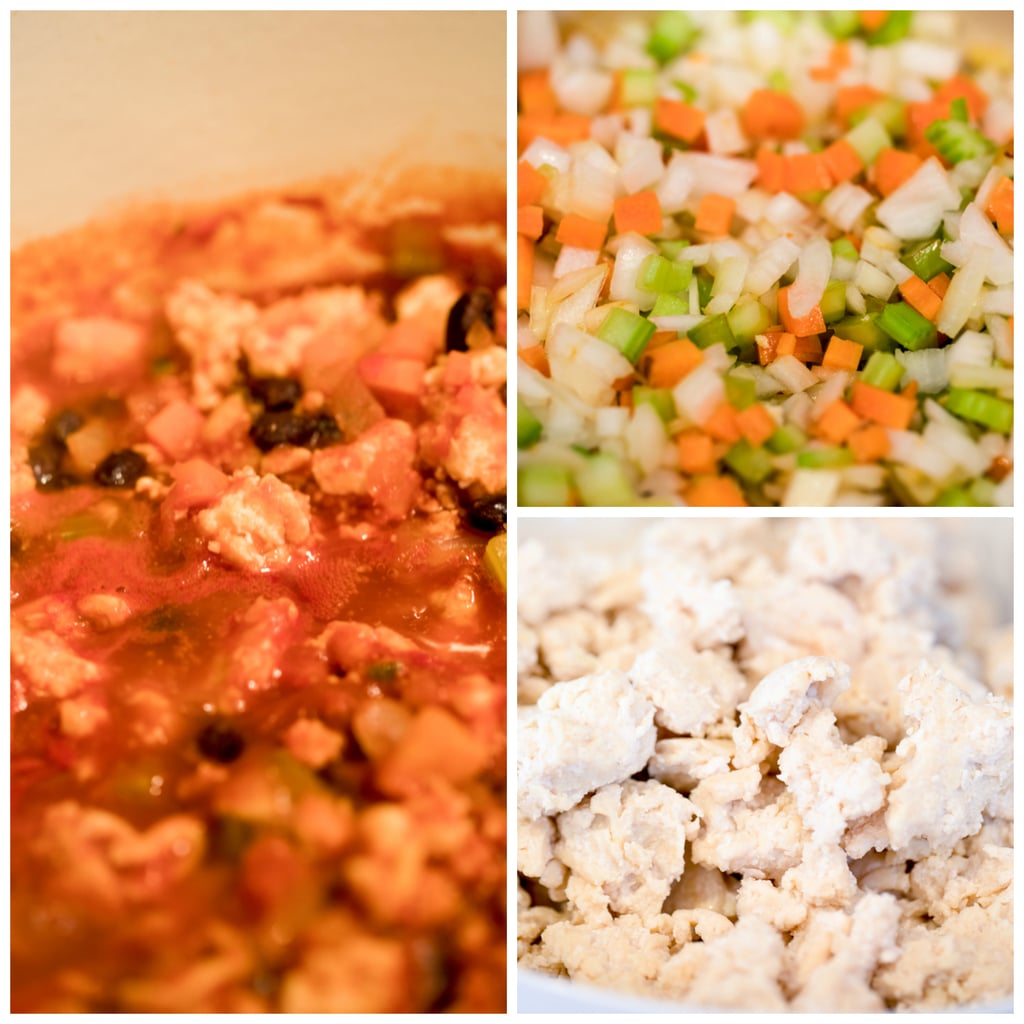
(766, 766)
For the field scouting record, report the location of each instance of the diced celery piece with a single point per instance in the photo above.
(844, 249)
(925, 259)
(639, 87)
(981, 408)
(907, 327)
(626, 331)
(868, 138)
(865, 331)
(673, 248)
(672, 34)
(958, 141)
(659, 399)
(545, 483)
(496, 559)
(747, 319)
(687, 91)
(833, 302)
(658, 274)
(894, 28)
(824, 458)
(753, 465)
(785, 439)
(983, 491)
(670, 305)
(705, 282)
(778, 80)
(883, 370)
(713, 331)
(602, 480)
(955, 496)
(889, 111)
(841, 24)
(528, 427)
(740, 391)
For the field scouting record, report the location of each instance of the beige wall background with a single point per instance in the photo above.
(113, 106)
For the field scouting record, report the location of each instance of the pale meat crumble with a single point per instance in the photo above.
(766, 766)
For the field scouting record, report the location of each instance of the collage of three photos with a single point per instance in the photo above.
(287, 516)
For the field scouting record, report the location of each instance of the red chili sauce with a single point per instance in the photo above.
(258, 619)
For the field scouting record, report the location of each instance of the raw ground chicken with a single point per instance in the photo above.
(764, 259)
(766, 765)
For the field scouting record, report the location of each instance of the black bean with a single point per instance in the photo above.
(17, 543)
(503, 391)
(45, 460)
(471, 307)
(220, 741)
(273, 428)
(322, 430)
(488, 514)
(276, 393)
(120, 469)
(64, 424)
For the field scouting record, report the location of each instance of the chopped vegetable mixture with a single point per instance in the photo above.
(764, 259)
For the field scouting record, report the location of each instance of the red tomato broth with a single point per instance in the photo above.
(266, 887)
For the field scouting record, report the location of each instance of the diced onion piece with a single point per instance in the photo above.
(580, 89)
(845, 204)
(673, 191)
(785, 211)
(645, 437)
(585, 364)
(699, 393)
(545, 153)
(791, 373)
(872, 281)
(770, 264)
(723, 175)
(999, 328)
(537, 43)
(814, 269)
(976, 230)
(963, 292)
(611, 421)
(631, 251)
(640, 163)
(575, 306)
(927, 366)
(997, 300)
(723, 132)
(921, 452)
(817, 487)
(728, 284)
(915, 209)
(923, 58)
(571, 259)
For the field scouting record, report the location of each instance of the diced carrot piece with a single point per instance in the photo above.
(678, 119)
(805, 172)
(535, 357)
(530, 184)
(811, 323)
(659, 338)
(530, 222)
(785, 345)
(881, 406)
(524, 265)
(412, 338)
(560, 128)
(839, 56)
(869, 443)
(827, 73)
(722, 424)
(668, 364)
(535, 93)
(999, 207)
(960, 86)
(640, 212)
(893, 167)
(921, 297)
(842, 354)
(837, 422)
(395, 381)
(939, 284)
(176, 429)
(921, 114)
(841, 161)
(756, 423)
(872, 21)
(808, 349)
(696, 452)
(768, 347)
(770, 169)
(196, 482)
(850, 98)
(581, 232)
(910, 391)
(714, 491)
(714, 214)
(768, 114)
